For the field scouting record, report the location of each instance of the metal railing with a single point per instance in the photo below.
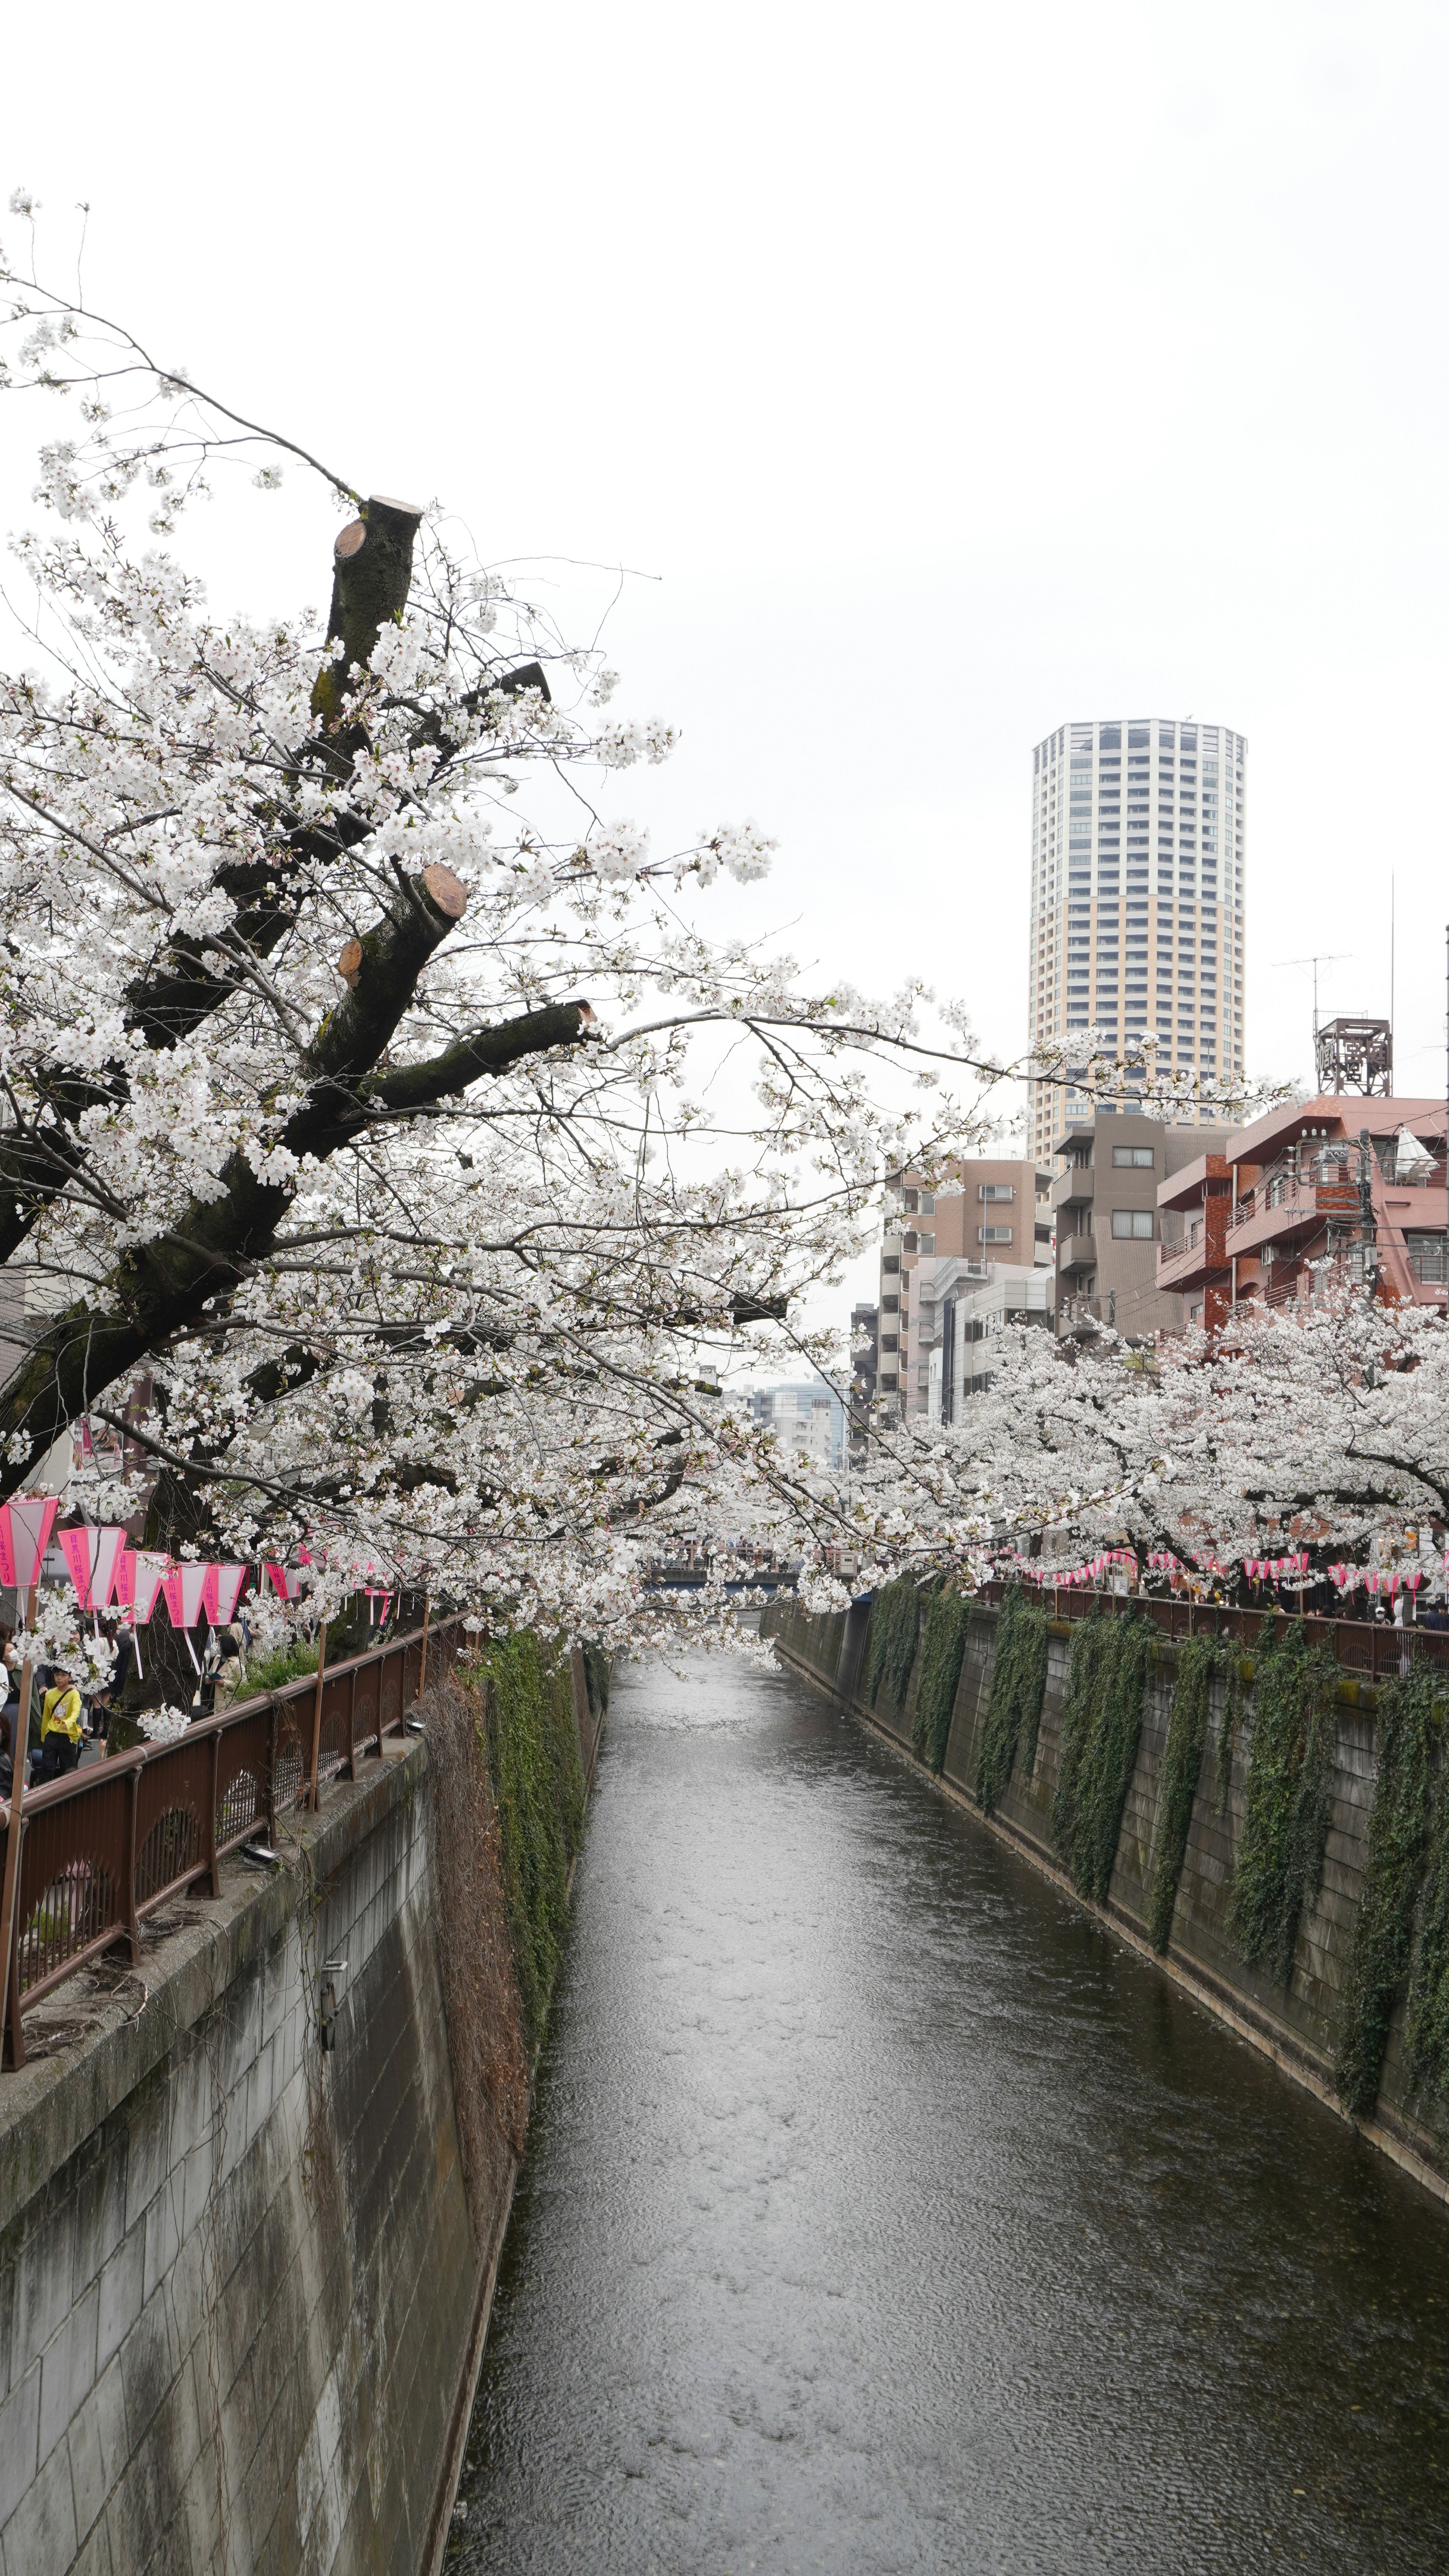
(1374, 1648)
(103, 1847)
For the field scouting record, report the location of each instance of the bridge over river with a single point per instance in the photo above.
(882, 2214)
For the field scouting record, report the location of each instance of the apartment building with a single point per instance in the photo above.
(1338, 1189)
(1116, 1213)
(807, 1420)
(963, 1315)
(1138, 846)
(990, 1213)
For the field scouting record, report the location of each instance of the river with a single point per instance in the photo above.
(881, 2214)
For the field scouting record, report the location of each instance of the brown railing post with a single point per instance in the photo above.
(352, 1725)
(317, 1715)
(273, 1738)
(423, 1675)
(10, 1893)
(208, 1838)
(133, 1920)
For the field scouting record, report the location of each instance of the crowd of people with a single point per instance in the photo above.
(69, 1714)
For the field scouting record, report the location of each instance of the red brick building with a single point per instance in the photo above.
(1331, 1191)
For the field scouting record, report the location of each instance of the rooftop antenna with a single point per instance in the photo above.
(1339, 958)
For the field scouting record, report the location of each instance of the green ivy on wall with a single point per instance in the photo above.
(894, 1620)
(1427, 2037)
(943, 1648)
(1018, 1687)
(538, 1789)
(1227, 1732)
(1199, 1659)
(1101, 1726)
(1394, 1863)
(1279, 1867)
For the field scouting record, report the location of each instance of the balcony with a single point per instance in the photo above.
(1074, 1186)
(1201, 1256)
(1285, 1204)
(1077, 1252)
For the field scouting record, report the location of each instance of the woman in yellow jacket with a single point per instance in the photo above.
(60, 1729)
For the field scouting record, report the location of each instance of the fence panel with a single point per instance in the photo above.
(75, 1876)
(104, 1846)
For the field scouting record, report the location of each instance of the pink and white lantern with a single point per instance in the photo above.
(91, 1556)
(221, 1592)
(25, 1527)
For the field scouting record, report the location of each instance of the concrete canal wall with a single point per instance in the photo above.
(1299, 2022)
(245, 2276)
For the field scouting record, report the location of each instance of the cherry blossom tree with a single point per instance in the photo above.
(1324, 1425)
(357, 1161)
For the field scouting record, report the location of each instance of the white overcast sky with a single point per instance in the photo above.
(946, 373)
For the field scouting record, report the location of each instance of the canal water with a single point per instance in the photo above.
(880, 2214)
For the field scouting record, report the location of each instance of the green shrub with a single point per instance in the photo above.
(1018, 1687)
(1198, 1659)
(894, 1620)
(1279, 1867)
(1101, 1728)
(1398, 1844)
(943, 1648)
(538, 1789)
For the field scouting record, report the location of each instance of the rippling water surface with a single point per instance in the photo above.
(880, 2214)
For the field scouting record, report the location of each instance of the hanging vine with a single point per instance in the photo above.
(1227, 1731)
(1427, 2037)
(894, 1622)
(1279, 1868)
(1101, 1727)
(1018, 1687)
(538, 1788)
(1199, 1659)
(943, 1649)
(1398, 1844)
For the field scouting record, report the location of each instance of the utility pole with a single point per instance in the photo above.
(1366, 1211)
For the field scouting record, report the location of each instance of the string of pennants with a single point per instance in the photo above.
(109, 1574)
(1032, 1570)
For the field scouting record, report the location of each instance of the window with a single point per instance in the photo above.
(928, 1204)
(1131, 1225)
(993, 1234)
(890, 1305)
(928, 1245)
(1137, 1158)
(890, 1341)
(891, 1264)
(995, 1190)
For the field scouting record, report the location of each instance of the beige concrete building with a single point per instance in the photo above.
(992, 1212)
(1112, 1224)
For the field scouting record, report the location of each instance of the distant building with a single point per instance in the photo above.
(1137, 861)
(1114, 1221)
(808, 1420)
(1299, 1202)
(997, 1213)
(963, 1313)
(865, 1362)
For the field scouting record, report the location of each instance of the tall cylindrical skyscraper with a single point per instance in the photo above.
(1137, 863)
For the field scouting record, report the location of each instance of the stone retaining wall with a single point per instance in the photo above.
(242, 2294)
(1298, 2024)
